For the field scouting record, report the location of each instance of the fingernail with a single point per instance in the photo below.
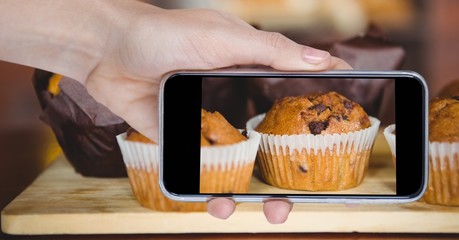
(314, 56)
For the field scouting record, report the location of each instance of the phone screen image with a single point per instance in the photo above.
(316, 139)
(296, 136)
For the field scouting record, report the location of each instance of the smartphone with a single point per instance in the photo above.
(320, 168)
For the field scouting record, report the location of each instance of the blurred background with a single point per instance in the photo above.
(426, 30)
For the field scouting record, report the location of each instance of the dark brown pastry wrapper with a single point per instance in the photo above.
(370, 51)
(369, 94)
(85, 129)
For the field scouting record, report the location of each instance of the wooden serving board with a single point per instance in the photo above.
(61, 201)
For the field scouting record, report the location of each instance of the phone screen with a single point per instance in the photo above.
(294, 135)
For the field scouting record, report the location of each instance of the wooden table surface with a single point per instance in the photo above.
(62, 201)
(18, 170)
(261, 235)
(74, 209)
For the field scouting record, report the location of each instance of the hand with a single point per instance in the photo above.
(155, 42)
(151, 43)
(120, 50)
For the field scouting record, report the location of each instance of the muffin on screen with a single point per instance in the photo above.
(443, 185)
(315, 142)
(227, 155)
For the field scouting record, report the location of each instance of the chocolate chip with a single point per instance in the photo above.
(317, 127)
(211, 141)
(337, 117)
(303, 169)
(319, 108)
(348, 104)
(245, 133)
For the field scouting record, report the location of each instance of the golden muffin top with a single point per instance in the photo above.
(316, 113)
(444, 119)
(216, 130)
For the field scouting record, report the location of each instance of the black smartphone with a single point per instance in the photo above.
(383, 160)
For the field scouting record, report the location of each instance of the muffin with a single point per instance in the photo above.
(140, 157)
(227, 155)
(85, 129)
(389, 134)
(314, 142)
(443, 184)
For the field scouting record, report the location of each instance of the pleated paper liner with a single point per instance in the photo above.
(315, 162)
(443, 184)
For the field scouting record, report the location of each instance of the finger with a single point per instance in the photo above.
(277, 51)
(137, 105)
(142, 115)
(248, 46)
(221, 207)
(338, 63)
(277, 211)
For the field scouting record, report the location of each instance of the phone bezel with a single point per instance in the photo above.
(303, 198)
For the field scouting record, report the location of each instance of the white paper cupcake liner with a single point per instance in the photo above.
(443, 185)
(145, 156)
(229, 168)
(344, 142)
(138, 155)
(141, 160)
(390, 139)
(332, 153)
(230, 156)
(444, 155)
(226, 168)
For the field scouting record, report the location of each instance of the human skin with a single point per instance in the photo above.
(123, 48)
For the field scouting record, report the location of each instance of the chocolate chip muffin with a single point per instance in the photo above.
(443, 185)
(318, 113)
(316, 142)
(227, 156)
